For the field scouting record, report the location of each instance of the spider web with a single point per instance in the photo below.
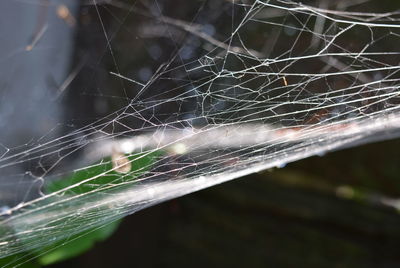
(254, 85)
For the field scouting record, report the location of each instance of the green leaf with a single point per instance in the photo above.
(104, 175)
(76, 244)
(95, 177)
(18, 260)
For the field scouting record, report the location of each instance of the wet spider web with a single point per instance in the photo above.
(174, 101)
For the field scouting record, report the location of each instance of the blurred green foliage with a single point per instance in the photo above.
(106, 176)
